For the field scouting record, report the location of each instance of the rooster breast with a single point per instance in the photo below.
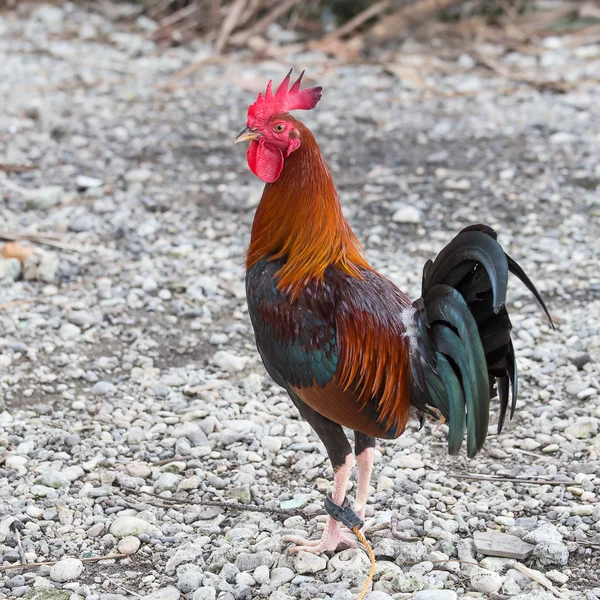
(340, 346)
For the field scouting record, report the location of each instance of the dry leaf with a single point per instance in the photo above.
(16, 250)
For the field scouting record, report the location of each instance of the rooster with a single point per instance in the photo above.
(347, 345)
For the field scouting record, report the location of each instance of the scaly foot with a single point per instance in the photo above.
(332, 537)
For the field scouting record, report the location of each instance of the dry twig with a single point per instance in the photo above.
(396, 24)
(541, 580)
(122, 587)
(400, 536)
(43, 239)
(500, 69)
(280, 9)
(229, 24)
(501, 479)
(6, 168)
(362, 17)
(53, 562)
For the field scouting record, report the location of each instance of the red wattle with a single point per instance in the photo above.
(265, 160)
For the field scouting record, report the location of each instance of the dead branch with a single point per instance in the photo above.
(396, 24)
(53, 562)
(498, 68)
(541, 580)
(229, 24)
(362, 17)
(239, 39)
(122, 587)
(42, 239)
(6, 168)
(167, 23)
(511, 479)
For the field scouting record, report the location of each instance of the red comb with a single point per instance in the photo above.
(282, 101)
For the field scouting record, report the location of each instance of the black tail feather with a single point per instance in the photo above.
(465, 354)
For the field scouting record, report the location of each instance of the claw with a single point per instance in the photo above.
(332, 537)
(329, 544)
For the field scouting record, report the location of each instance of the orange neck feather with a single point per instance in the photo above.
(299, 218)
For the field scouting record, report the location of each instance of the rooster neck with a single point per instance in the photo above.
(299, 219)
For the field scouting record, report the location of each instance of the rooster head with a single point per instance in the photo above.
(271, 131)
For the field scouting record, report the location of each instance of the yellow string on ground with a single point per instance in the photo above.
(363, 540)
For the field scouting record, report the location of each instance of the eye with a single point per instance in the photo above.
(279, 128)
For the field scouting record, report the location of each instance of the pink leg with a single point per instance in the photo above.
(365, 467)
(332, 534)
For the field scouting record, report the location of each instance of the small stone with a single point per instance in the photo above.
(496, 564)
(95, 530)
(138, 469)
(186, 553)
(167, 482)
(51, 16)
(384, 483)
(583, 510)
(408, 582)
(586, 393)
(307, 562)
(551, 553)
(557, 577)
(138, 176)
(128, 545)
(67, 569)
(15, 461)
(407, 214)
(103, 388)
(409, 461)
(69, 332)
(247, 561)
(53, 479)
(44, 197)
(280, 576)
(41, 266)
(166, 593)
(189, 578)
(261, 574)
(205, 593)
(583, 428)
(581, 360)
(10, 269)
(245, 580)
(44, 591)
(81, 223)
(128, 526)
(271, 443)
(546, 532)
(253, 383)
(551, 448)
(229, 362)
(84, 182)
(486, 581)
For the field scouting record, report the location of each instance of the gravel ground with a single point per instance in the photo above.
(130, 345)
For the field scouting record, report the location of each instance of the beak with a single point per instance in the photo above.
(247, 135)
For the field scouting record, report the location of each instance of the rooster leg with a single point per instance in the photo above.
(364, 447)
(340, 454)
(333, 535)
